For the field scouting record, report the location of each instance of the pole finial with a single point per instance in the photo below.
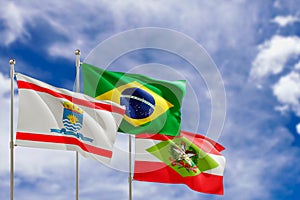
(77, 52)
(12, 61)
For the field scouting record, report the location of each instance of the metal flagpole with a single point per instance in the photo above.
(12, 63)
(77, 53)
(130, 173)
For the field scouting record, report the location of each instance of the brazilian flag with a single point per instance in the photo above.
(152, 106)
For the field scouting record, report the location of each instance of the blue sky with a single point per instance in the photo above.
(254, 44)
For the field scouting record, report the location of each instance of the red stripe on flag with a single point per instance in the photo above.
(63, 140)
(193, 137)
(204, 143)
(203, 182)
(95, 105)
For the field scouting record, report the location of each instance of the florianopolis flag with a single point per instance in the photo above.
(56, 118)
(152, 106)
(190, 159)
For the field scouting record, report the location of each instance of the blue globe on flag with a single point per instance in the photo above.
(139, 103)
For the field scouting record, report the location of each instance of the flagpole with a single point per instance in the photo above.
(77, 53)
(12, 63)
(130, 173)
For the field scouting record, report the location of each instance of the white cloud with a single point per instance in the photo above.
(273, 55)
(4, 118)
(297, 66)
(117, 16)
(14, 19)
(5, 134)
(283, 21)
(282, 109)
(4, 85)
(298, 128)
(287, 90)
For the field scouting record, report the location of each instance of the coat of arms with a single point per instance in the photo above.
(183, 156)
(72, 120)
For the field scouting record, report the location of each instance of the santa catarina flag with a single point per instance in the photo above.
(190, 159)
(56, 118)
(152, 106)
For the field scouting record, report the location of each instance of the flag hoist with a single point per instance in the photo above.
(77, 63)
(12, 63)
(130, 168)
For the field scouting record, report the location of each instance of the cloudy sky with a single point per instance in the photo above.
(254, 44)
